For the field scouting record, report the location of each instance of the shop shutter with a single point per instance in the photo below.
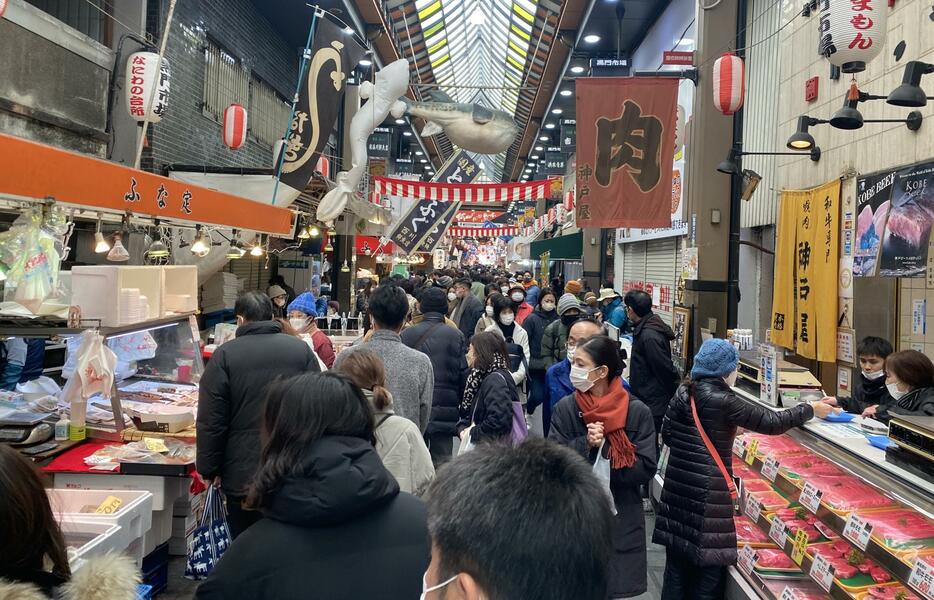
(634, 264)
(660, 271)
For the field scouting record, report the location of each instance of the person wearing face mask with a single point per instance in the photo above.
(870, 390)
(487, 318)
(302, 323)
(555, 337)
(517, 340)
(486, 408)
(909, 377)
(612, 309)
(532, 291)
(280, 299)
(601, 416)
(543, 315)
(467, 309)
(520, 307)
(695, 517)
(231, 395)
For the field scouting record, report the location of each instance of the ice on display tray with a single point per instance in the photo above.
(846, 494)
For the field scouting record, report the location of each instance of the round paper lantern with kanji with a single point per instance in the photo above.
(145, 80)
(728, 79)
(234, 125)
(852, 32)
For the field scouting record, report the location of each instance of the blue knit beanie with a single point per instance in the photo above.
(716, 358)
(304, 303)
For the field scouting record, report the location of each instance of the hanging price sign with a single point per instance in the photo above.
(799, 546)
(822, 572)
(753, 508)
(810, 497)
(746, 558)
(751, 451)
(778, 532)
(739, 447)
(922, 578)
(770, 468)
(858, 531)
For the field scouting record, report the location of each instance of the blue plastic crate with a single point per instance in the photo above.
(143, 592)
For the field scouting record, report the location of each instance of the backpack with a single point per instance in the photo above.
(516, 356)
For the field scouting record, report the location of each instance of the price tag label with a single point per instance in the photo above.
(822, 572)
(109, 506)
(155, 444)
(739, 447)
(799, 546)
(922, 578)
(778, 532)
(858, 531)
(746, 558)
(788, 594)
(810, 497)
(770, 468)
(751, 451)
(753, 508)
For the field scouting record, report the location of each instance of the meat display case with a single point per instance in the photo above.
(829, 497)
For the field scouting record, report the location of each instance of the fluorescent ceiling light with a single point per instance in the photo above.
(577, 69)
(543, 138)
(556, 111)
(566, 92)
(365, 62)
(418, 153)
(549, 126)
(400, 121)
(407, 133)
(592, 38)
(539, 148)
(534, 157)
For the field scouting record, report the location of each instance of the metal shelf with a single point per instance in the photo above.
(51, 326)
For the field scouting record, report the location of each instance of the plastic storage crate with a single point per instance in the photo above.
(96, 289)
(90, 538)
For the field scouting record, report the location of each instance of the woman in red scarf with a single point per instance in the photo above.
(602, 416)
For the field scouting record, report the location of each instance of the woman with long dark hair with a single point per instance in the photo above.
(329, 505)
(602, 417)
(486, 410)
(33, 552)
(909, 377)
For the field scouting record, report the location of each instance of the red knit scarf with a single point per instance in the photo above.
(612, 411)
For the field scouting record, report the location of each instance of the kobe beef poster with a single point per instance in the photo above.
(908, 229)
(872, 209)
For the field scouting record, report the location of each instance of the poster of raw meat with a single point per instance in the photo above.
(908, 229)
(872, 210)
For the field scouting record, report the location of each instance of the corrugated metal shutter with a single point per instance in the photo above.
(634, 263)
(660, 258)
(760, 112)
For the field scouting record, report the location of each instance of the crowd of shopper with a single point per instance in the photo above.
(328, 461)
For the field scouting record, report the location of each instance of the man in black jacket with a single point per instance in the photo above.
(652, 375)
(231, 396)
(447, 350)
(467, 310)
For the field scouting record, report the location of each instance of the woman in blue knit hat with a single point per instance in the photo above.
(303, 323)
(695, 519)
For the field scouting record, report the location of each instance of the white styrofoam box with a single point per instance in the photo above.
(180, 288)
(164, 490)
(134, 515)
(160, 532)
(96, 289)
(190, 504)
(96, 538)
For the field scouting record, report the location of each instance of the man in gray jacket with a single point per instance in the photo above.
(409, 375)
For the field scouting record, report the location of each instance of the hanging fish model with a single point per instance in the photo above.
(472, 127)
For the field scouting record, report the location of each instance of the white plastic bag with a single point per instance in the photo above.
(466, 443)
(602, 470)
(94, 374)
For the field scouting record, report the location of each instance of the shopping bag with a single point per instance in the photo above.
(208, 542)
(466, 443)
(602, 469)
(520, 427)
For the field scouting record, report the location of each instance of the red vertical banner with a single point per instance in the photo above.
(625, 149)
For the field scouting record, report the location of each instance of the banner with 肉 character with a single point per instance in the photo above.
(625, 149)
(908, 228)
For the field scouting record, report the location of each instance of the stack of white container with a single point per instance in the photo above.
(219, 292)
(186, 512)
(134, 308)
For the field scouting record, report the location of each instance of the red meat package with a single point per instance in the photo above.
(902, 529)
(806, 465)
(756, 485)
(779, 445)
(773, 558)
(771, 500)
(741, 470)
(849, 562)
(889, 592)
(748, 533)
(848, 493)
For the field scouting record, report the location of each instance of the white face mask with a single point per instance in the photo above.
(894, 392)
(452, 296)
(297, 323)
(571, 351)
(489, 311)
(507, 319)
(548, 306)
(874, 375)
(434, 588)
(504, 290)
(517, 297)
(579, 378)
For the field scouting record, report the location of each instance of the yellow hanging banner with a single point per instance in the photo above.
(783, 292)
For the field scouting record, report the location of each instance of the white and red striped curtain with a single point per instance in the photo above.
(465, 232)
(462, 192)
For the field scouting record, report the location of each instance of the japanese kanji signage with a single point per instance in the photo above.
(333, 56)
(418, 223)
(568, 136)
(143, 79)
(379, 143)
(851, 32)
(804, 300)
(460, 168)
(555, 161)
(625, 149)
(477, 216)
(369, 245)
(437, 232)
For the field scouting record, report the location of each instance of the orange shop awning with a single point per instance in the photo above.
(32, 170)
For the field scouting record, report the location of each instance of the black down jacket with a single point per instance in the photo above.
(447, 349)
(535, 325)
(231, 395)
(652, 375)
(492, 408)
(695, 518)
(337, 515)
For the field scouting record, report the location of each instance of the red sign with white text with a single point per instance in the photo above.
(673, 57)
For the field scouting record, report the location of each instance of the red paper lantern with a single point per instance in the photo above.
(852, 33)
(234, 126)
(2, 7)
(728, 78)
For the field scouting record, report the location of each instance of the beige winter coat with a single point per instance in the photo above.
(107, 577)
(400, 445)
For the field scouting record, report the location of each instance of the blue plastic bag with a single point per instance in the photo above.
(210, 539)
